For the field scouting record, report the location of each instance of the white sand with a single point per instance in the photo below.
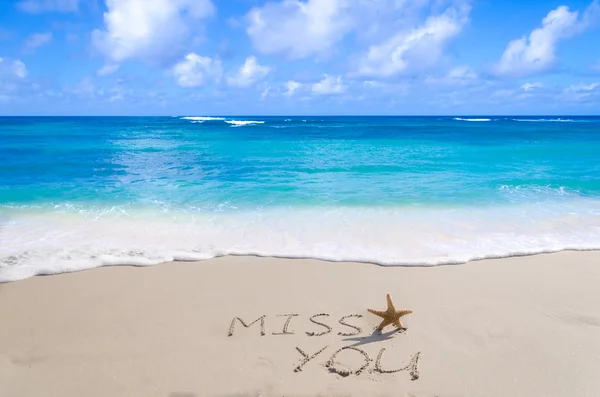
(526, 326)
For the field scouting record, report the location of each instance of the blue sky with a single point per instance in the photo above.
(245, 57)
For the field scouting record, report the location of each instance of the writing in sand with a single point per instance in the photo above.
(333, 363)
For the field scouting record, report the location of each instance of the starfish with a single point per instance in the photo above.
(391, 315)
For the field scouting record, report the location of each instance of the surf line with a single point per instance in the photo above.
(332, 365)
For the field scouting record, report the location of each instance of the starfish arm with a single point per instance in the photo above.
(390, 303)
(379, 313)
(398, 324)
(383, 324)
(401, 313)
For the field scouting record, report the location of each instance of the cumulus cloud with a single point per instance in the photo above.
(329, 85)
(11, 69)
(299, 28)
(154, 30)
(37, 40)
(537, 53)
(420, 47)
(195, 70)
(39, 6)
(291, 87)
(249, 73)
(303, 28)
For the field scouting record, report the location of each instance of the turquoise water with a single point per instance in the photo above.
(82, 192)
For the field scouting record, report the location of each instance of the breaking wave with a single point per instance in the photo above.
(464, 119)
(241, 123)
(53, 242)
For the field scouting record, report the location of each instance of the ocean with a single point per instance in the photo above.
(83, 192)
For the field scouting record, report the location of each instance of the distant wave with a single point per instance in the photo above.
(234, 123)
(240, 123)
(559, 120)
(203, 118)
(463, 119)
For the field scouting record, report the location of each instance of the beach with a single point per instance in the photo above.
(520, 326)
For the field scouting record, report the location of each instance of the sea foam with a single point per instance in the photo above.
(557, 120)
(38, 242)
(241, 123)
(464, 119)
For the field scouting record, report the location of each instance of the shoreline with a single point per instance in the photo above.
(523, 325)
(145, 262)
(57, 242)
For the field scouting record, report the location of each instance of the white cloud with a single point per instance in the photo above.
(12, 79)
(329, 85)
(537, 53)
(37, 40)
(107, 69)
(39, 6)
(148, 29)
(417, 48)
(583, 87)
(531, 86)
(582, 92)
(303, 28)
(195, 71)
(11, 69)
(299, 28)
(291, 87)
(19, 69)
(249, 73)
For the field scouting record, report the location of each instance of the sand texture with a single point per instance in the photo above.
(526, 326)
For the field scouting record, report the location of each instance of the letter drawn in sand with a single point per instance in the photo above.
(321, 324)
(358, 330)
(306, 358)
(331, 363)
(262, 324)
(285, 326)
(412, 365)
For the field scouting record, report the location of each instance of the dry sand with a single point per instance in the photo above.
(527, 326)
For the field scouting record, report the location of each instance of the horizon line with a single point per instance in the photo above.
(310, 115)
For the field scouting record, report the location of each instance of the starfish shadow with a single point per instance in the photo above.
(376, 336)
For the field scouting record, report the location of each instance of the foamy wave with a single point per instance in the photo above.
(463, 119)
(47, 243)
(559, 120)
(536, 193)
(240, 123)
(203, 118)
